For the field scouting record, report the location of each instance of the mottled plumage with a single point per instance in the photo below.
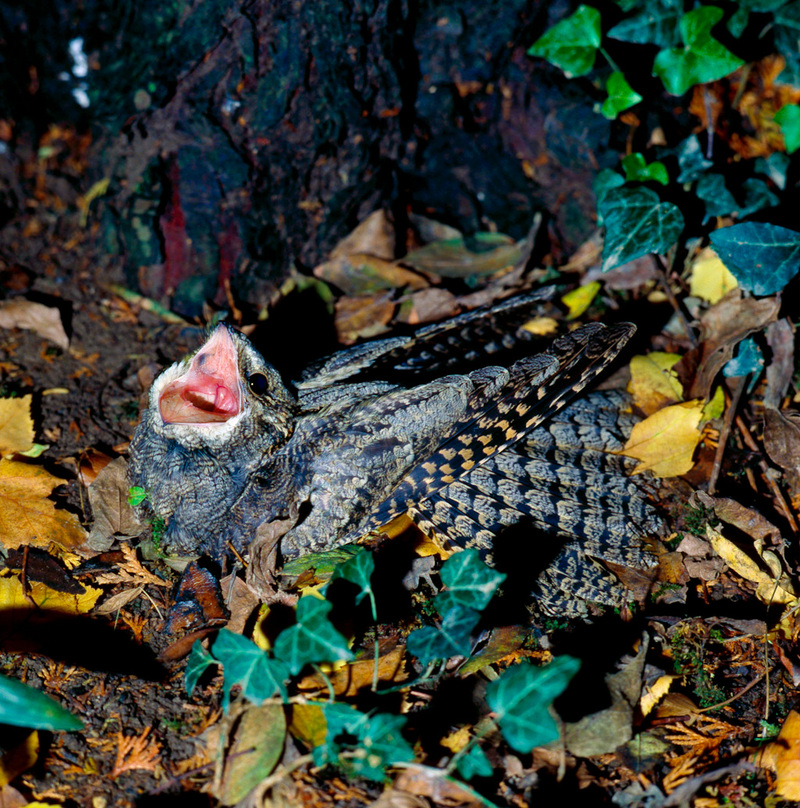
(226, 447)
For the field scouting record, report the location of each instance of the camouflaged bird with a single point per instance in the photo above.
(229, 454)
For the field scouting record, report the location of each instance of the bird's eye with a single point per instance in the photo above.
(257, 382)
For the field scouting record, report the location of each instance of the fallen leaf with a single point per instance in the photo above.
(258, 738)
(359, 273)
(427, 305)
(19, 758)
(602, 732)
(136, 752)
(41, 597)
(711, 280)
(26, 515)
(653, 383)
(16, 425)
(541, 326)
(362, 316)
(782, 756)
(769, 588)
(579, 299)
(113, 513)
(780, 370)
(375, 236)
(655, 692)
(665, 441)
(44, 320)
(482, 254)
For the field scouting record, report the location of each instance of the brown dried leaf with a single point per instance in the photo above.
(722, 327)
(359, 273)
(363, 316)
(44, 320)
(428, 305)
(16, 425)
(351, 678)
(113, 514)
(131, 571)
(780, 338)
(27, 516)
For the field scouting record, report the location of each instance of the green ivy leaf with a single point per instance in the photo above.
(313, 639)
(470, 582)
(691, 160)
(621, 96)
(474, 763)
(358, 570)
(24, 706)
(757, 197)
(658, 24)
(775, 167)
(637, 223)
(702, 59)
(572, 43)
(637, 170)
(749, 359)
(374, 741)
(719, 200)
(323, 563)
(785, 32)
(788, 118)
(762, 257)
(197, 664)
(520, 699)
(450, 639)
(245, 664)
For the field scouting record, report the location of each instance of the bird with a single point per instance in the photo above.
(234, 459)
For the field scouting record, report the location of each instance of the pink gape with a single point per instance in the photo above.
(209, 391)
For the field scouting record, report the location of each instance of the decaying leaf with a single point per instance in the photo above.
(482, 254)
(723, 326)
(26, 515)
(780, 338)
(16, 425)
(665, 441)
(256, 748)
(363, 316)
(44, 320)
(113, 513)
(605, 730)
(782, 756)
(579, 299)
(653, 383)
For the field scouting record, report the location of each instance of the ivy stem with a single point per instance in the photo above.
(377, 651)
(608, 58)
(328, 683)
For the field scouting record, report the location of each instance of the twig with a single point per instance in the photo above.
(724, 433)
(735, 695)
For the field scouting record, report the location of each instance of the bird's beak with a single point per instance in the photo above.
(209, 392)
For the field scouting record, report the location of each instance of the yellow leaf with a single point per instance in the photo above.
(16, 425)
(715, 406)
(578, 300)
(665, 441)
(768, 588)
(711, 280)
(19, 759)
(26, 515)
(783, 757)
(653, 383)
(13, 596)
(541, 326)
(456, 740)
(308, 724)
(655, 692)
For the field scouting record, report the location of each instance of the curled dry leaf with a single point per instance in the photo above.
(113, 514)
(780, 370)
(722, 327)
(44, 320)
(16, 425)
(27, 516)
(771, 586)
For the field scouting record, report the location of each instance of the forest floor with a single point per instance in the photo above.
(684, 698)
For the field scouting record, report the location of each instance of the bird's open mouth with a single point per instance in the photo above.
(209, 392)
